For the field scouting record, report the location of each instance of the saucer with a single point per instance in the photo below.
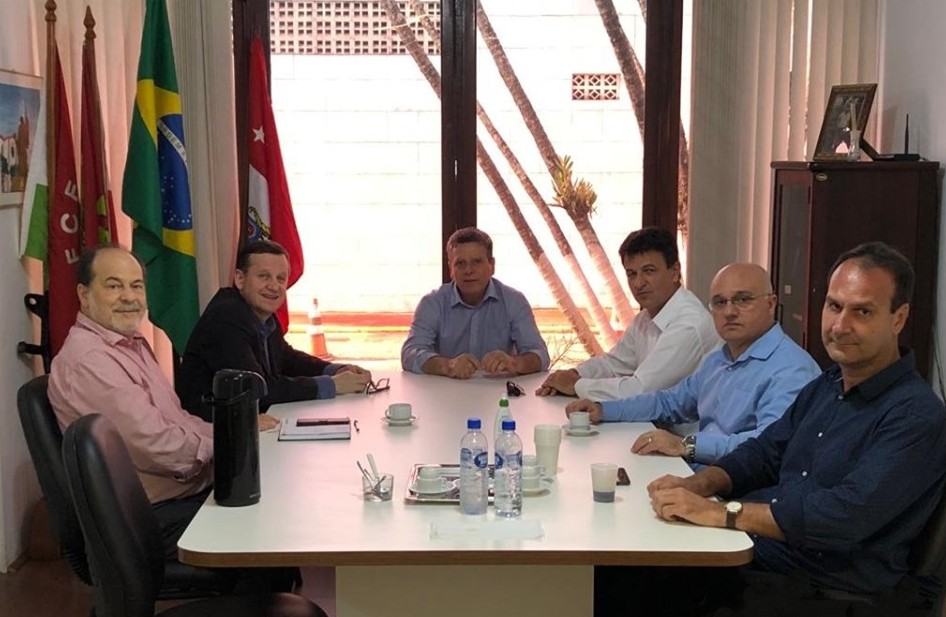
(535, 492)
(589, 432)
(404, 422)
(445, 486)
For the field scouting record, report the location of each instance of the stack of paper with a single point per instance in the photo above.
(315, 428)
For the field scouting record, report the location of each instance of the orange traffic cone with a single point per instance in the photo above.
(316, 333)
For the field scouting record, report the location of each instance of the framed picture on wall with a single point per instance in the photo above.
(848, 106)
(19, 114)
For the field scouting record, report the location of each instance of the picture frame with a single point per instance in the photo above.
(834, 138)
(19, 116)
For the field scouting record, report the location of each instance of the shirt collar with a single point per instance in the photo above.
(109, 336)
(455, 298)
(266, 327)
(668, 313)
(874, 386)
(762, 347)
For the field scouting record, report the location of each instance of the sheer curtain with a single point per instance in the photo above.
(762, 72)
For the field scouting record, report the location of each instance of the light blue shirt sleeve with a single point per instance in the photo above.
(421, 344)
(674, 405)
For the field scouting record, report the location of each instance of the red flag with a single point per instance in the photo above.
(98, 213)
(270, 208)
(64, 219)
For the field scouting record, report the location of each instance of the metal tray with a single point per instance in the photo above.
(450, 471)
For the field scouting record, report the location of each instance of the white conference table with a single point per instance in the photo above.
(387, 562)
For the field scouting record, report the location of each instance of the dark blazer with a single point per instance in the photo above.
(227, 335)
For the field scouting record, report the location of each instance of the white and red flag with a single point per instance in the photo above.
(270, 207)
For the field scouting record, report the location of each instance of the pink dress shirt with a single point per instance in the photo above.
(101, 371)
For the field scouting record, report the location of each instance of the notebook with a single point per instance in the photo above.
(315, 428)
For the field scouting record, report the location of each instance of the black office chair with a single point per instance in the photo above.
(44, 440)
(123, 538)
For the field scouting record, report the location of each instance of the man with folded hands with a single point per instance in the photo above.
(238, 330)
(833, 493)
(664, 343)
(738, 390)
(475, 322)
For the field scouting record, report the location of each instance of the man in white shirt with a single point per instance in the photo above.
(665, 342)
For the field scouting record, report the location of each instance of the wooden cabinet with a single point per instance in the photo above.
(820, 210)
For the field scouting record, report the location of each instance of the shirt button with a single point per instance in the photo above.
(820, 434)
(775, 500)
(840, 397)
(804, 474)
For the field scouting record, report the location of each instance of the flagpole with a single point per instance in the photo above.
(52, 105)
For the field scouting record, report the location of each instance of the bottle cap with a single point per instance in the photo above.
(504, 402)
(509, 425)
(473, 423)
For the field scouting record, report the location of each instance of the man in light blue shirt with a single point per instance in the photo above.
(737, 391)
(474, 323)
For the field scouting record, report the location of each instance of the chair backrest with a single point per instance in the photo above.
(123, 537)
(929, 549)
(44, 440)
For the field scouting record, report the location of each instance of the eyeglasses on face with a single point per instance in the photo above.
(514, 389)
(740, 301)
(378, 386)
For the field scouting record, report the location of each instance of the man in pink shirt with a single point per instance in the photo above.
(107, 367)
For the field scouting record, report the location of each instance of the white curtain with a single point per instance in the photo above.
(762, 72)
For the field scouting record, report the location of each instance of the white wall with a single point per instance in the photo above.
(913, 81)
(18, 488)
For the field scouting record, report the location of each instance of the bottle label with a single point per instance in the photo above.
(500, 463)
(481, 459)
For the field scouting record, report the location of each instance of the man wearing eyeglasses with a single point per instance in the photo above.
(238, 330)
(738, 390)
(475, 322)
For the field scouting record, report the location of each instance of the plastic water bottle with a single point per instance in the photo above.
(504, 413)
(474, 462)
(507, 493)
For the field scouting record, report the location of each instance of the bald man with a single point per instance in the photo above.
(738, 390)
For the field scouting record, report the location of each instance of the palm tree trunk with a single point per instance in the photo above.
(530, 117)
(634, 80)
(559, 292)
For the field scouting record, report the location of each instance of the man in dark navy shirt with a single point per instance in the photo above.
(836, 490)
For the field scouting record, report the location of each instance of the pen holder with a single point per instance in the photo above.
(379, 490)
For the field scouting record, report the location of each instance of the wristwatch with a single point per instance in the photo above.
(733, 510)
(689, 448)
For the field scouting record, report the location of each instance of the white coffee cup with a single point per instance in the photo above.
(604, 477)
(531, 478)
(429, 480)
(547, 438)
(398, 412)
(579, 421)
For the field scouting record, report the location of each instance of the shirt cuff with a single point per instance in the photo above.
(708, 446)
(326, 387)
(331, 369)
(420, 359)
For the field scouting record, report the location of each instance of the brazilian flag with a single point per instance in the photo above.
(155, 191)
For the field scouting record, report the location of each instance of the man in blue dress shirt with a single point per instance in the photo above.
(738, 390)
(474, 323)
(837, 489)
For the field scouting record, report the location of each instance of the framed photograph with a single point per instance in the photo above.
(849, 105)
(19, 113)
